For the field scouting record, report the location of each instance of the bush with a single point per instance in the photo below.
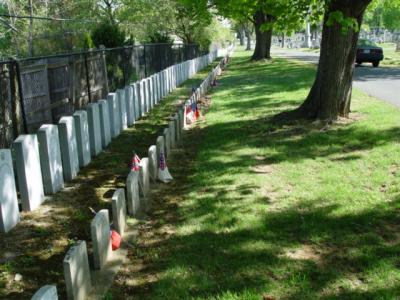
(108, 35)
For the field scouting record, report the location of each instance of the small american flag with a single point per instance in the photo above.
(135, 166)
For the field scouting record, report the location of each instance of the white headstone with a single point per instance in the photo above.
(144, 178)
(100, 232)
(177, 127)
(132, 188)
(77, 272)
(69, 148)
(29, 172)
(93, 113)
(155, 92)
(144, 100)
(50, 158)
(113, 107)
(47, 292)
(105, 130)
(153, 162)
(172, 133)
(167, 142)
(149, 95)
(160, 145)
(122, 109)
(82, 137)
(119, 211)
(136, 100)
(130, 109)
(141, 97)
(9, 213)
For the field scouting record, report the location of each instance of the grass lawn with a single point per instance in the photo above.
(263, 211)
(392, 58)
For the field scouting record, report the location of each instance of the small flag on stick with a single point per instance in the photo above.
(163, 173)
(135, 165)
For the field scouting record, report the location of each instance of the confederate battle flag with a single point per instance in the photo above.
(163, 173)
(135, 164)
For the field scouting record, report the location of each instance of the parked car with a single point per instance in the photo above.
(368, 51)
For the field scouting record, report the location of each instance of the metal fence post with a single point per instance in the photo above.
(87, 77)
(145, 64)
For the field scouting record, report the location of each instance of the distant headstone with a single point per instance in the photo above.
(77, 272)
(119, 211)
(105, 130)
(82, 137)
(153, 163)
(9, 213)
(29, 172)
(132, 188)
(144, 100)
(122, 109)
(93, 113)
(47, 292)
(130, 109)
(69, 148)
(50, 158)
(155, 96)
(144, 178)
(113, 107)
(149, 94)
(141, 97)
(171, 126)
(167, 142)
(160, 145)
(177, 127)
(136, 100)
(100, 232)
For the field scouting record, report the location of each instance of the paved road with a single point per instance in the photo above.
(382, 82)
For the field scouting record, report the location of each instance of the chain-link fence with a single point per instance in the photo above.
(39, 90)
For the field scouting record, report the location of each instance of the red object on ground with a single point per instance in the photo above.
(115, 240)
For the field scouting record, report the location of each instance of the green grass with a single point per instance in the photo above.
(262, 210)
(392, 57)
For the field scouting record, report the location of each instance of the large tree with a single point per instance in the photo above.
(264, 14)
(330, 95)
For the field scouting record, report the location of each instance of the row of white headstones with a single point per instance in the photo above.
(57, 152)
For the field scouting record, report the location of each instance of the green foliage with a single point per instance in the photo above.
(108, 35)
(87, 41)
(346, 23)
(158, 37)
(383, 14)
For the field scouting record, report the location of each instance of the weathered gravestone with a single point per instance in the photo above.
(144, 100)
(177, 127)
(132, 188)
(119, 211)
(29, 172)
(100, 232)
(113, 107)
(181, 114)
(171, 128)
(93, 113)
(149, 95)
(167, 142)
(155, 90)
(160, 146)
(158, 88)
(141, 97)
(69, 148)
(82, 137)
(47, 292)
(144, 179)
(9, 213)
(77, 272)
(153, 163)
(130, 109)
(50, 158)
(105, 129)
(122, 109)
(136, 100)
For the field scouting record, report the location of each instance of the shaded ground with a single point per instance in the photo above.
(36, 247)
(259, 210)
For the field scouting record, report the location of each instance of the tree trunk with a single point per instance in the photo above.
(30, 34)
(241, 35)
(248, 37)
(283, 40)
(330, 95)
(263, 37)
